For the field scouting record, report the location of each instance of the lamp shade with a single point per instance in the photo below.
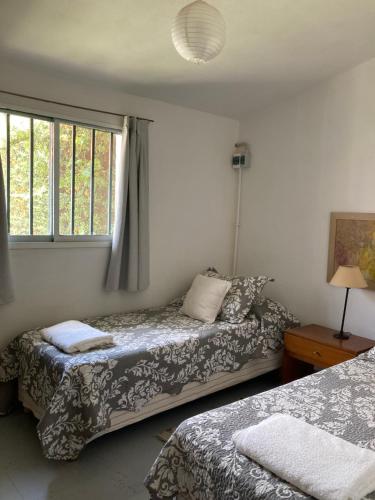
(348, 277)
(198, 32)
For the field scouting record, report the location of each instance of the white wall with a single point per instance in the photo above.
(311, 155)
(192, 191)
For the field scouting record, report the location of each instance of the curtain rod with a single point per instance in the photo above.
(70, 105)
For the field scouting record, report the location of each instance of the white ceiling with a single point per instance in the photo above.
(274, 47)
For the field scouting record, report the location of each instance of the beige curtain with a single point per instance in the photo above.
(129, 262)
(6, 286)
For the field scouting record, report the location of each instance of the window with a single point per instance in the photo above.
(59, 178)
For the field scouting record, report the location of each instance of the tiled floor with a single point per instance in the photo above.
(110, 468)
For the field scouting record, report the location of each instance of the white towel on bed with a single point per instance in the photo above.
(318, 463)
(74, 336)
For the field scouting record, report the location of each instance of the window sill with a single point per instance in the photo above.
(57, 245)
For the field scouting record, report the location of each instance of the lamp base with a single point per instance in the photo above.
(342, 335)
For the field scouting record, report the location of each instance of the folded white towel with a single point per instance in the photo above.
(74, 336)
(318, 463)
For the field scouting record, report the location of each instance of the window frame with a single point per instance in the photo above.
(55, 237)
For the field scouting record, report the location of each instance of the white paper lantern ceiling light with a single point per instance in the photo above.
(198, 32)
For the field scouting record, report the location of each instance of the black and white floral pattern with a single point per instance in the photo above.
(242, 295)
(200, 461)
(272, 315)
(156, 351)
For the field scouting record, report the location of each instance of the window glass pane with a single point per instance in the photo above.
(82, 181)
(3, 146)
(31, 166)
(101, 181)
(19, 175)
(41, 178)
(66, 152)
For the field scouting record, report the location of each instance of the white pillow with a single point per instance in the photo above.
(205, 297)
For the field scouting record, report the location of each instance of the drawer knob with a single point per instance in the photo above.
(317, 353)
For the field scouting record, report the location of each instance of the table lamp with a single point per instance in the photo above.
(347, 277)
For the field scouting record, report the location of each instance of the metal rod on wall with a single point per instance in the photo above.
(237, 226)
(49, 101)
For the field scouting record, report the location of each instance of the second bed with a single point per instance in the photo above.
(200, 460)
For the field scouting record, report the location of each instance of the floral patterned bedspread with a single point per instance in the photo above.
(200, 461)
(156, 351)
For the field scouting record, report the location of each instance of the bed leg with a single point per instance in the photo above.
(8, 396)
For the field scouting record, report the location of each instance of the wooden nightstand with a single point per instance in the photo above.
(315, 345)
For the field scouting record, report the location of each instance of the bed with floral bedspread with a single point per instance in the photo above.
(200, 461)
(156, 351)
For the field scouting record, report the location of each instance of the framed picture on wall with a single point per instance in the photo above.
(352, 242)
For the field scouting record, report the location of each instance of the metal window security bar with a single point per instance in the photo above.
(31, 178)
(54, 183)
(73, 180)
(110, 176)
(92, 181)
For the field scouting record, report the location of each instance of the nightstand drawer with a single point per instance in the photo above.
(314, 352)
